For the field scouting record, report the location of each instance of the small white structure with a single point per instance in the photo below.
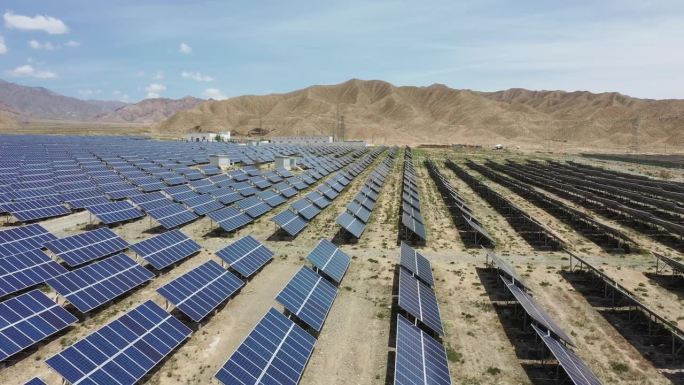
(208, 136)
(219, 160)
(285, 162)
(499, 147)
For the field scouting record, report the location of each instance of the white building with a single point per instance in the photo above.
(208, 136)
(219, 160)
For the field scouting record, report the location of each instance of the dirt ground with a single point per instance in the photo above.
(353, 346)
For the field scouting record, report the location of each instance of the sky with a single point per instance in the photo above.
(131, 50)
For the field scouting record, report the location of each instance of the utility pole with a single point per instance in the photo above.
(342, 128)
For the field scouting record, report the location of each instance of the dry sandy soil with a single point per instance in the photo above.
(353, 346)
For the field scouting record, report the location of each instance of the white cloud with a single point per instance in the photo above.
(49, 24)
(72, 43)
(184, 48)
(89, 92)
(214, 93)
(196, 76)
(158, 76)
(47, 46)
(140, 74)
(154, 90)
(3, 47)
(121, 96)
(27, 71)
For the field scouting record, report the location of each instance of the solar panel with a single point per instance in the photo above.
(308, 296)
(172, 215)
(319, 200)
(330, 259)
(507, 269)
(33, 209)
(246, 255)
(35, 381)
(166, 249)
(290, 222)
(420, 359)
(254, 207)
(352, 224)
(27, 319)
(536, 312)
(22, 239)
(115, 212)
(123, 351)
(285, 189)
(230, 218)
(85, 247)
(420, 301)
(574, 367)
(203, 204)
(22, 271)
(276, 351)
(306, 209)
(416, 263)
(413, 225)
(271, 198)
(91, 286)
(201, 290)
(359, 211)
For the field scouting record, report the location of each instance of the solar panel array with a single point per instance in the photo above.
(575, 368)
(27, 319)
(81, 248)
(22, 239)
(536, 312)
(411, 217)
(246, 255)
(22, 271)
(297, 217)
(166, 249)
(96, 284)
(358, 213)
(506, 269)
(414, 262)
(308, 296)
(199, 291)
(276, 351)
(123, 351)
(461, 214)
(420, 301)
(420, 359)
(329, 259)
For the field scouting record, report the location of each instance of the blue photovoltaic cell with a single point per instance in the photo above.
(27, 319)
(33, 209)
(272, 198)
(93, 285)
(253, 206)
(201, 290)
(165, 249)
(420, 359)
(246, 255)
(417, 264)
(24, 238)
(413, 225)
(115, 212)
(230, 218)
(24, 270)
(330, 259)
(420, 301)
(535, 311)
(308, 296)
(352, 224)
(574, 367)
(359, 211)
(85, 247)
(123, 351)
(172, 215)
(305, 208)
(203, 204)
(290, 222)
(35, 381)
(275, 352)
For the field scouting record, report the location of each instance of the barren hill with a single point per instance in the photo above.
(150, 110)
(384, 113)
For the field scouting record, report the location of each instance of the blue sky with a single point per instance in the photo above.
(130, 50)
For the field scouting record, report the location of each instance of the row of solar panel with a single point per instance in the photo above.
(411, 218)
(297, 217)
(359, 210)
(277, 350)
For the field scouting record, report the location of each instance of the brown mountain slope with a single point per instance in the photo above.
(150, 110)
(378, 111)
